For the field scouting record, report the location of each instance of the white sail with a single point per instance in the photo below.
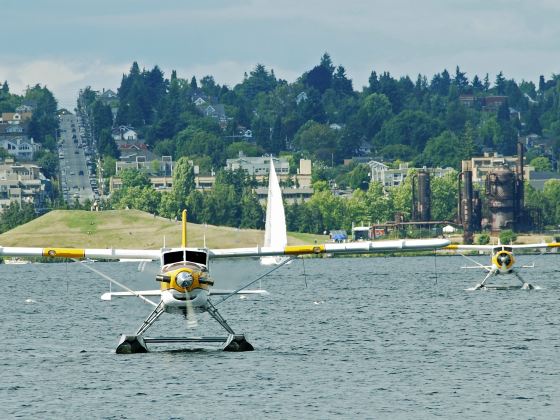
(275, 229)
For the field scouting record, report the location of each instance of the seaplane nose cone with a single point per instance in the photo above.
(504, 259)
(184, 279)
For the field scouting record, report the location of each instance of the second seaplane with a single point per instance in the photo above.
(186, 287)
(502, 263)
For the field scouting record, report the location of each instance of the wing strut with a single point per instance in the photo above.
(286, 261)
(490, 274)
(99, 273)
(475, 262)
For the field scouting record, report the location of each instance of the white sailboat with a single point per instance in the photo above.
(275, 229)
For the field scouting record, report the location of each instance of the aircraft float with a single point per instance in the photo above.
(502, 262)
(186, 287)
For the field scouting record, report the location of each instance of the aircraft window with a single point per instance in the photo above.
(508, 248)
(177, 256)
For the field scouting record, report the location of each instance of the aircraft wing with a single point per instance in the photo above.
(470, 247)
(108, 254)
(334, 248)
(514, 247)
(536, 246)
(294, 250)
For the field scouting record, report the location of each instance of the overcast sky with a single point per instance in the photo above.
(70, 44)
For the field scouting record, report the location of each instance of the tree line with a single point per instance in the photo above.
(322, 117)
(232, 201)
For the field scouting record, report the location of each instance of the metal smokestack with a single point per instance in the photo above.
(465, 211)
(424, 196)
(520, 193)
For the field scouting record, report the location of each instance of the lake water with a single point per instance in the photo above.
(336, 338)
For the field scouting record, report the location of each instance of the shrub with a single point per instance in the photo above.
(508, 237)
(483, 239)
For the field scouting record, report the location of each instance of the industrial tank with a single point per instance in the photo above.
(424, 196)
(500, 191)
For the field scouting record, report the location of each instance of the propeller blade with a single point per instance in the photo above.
(190, 314)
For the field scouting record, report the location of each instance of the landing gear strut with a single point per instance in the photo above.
(490, 286)
(129, 344)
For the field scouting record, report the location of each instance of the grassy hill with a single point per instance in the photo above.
(130, 229)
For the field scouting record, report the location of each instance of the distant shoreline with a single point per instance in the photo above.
(135, 229)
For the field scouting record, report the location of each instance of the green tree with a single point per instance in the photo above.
(533, 123)
(444, 197)
(401, 196)
(48, 161)
(507, 237)
(252, 214)
(483, 239)
(109, 166)
(134, 178)
(359, 177)
(248, 149)
(456, 117)
(535, 199)
(183, 180)
(106, 144)
(15, 215)
(411, 128)
(44, 121)
(143, 198)
(168, 206)
(375, 110)
(400, 152)
(260, 80)
(102, 117)
(197, 142)
(541, 164)
(379, 205)
(443, 151)
(500, 83)
(195, 206)
(320, 77)
(165, 147)
(316, 139)
(551, 194)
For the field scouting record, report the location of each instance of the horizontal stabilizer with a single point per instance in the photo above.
(221, 292)
(110, 295)
(478, 267)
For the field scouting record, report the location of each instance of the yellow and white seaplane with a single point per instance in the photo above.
(502, 262)
(186, 287)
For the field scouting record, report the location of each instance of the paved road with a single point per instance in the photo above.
(75, 177)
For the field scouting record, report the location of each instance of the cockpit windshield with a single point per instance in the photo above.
(199, 257)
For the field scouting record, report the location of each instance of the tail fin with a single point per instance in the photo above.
(184, 229)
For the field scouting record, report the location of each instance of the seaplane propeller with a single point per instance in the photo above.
(185, 280)
(504, 259)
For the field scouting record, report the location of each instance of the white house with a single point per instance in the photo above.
(20, 147)
(258, 165)
(124, 133)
